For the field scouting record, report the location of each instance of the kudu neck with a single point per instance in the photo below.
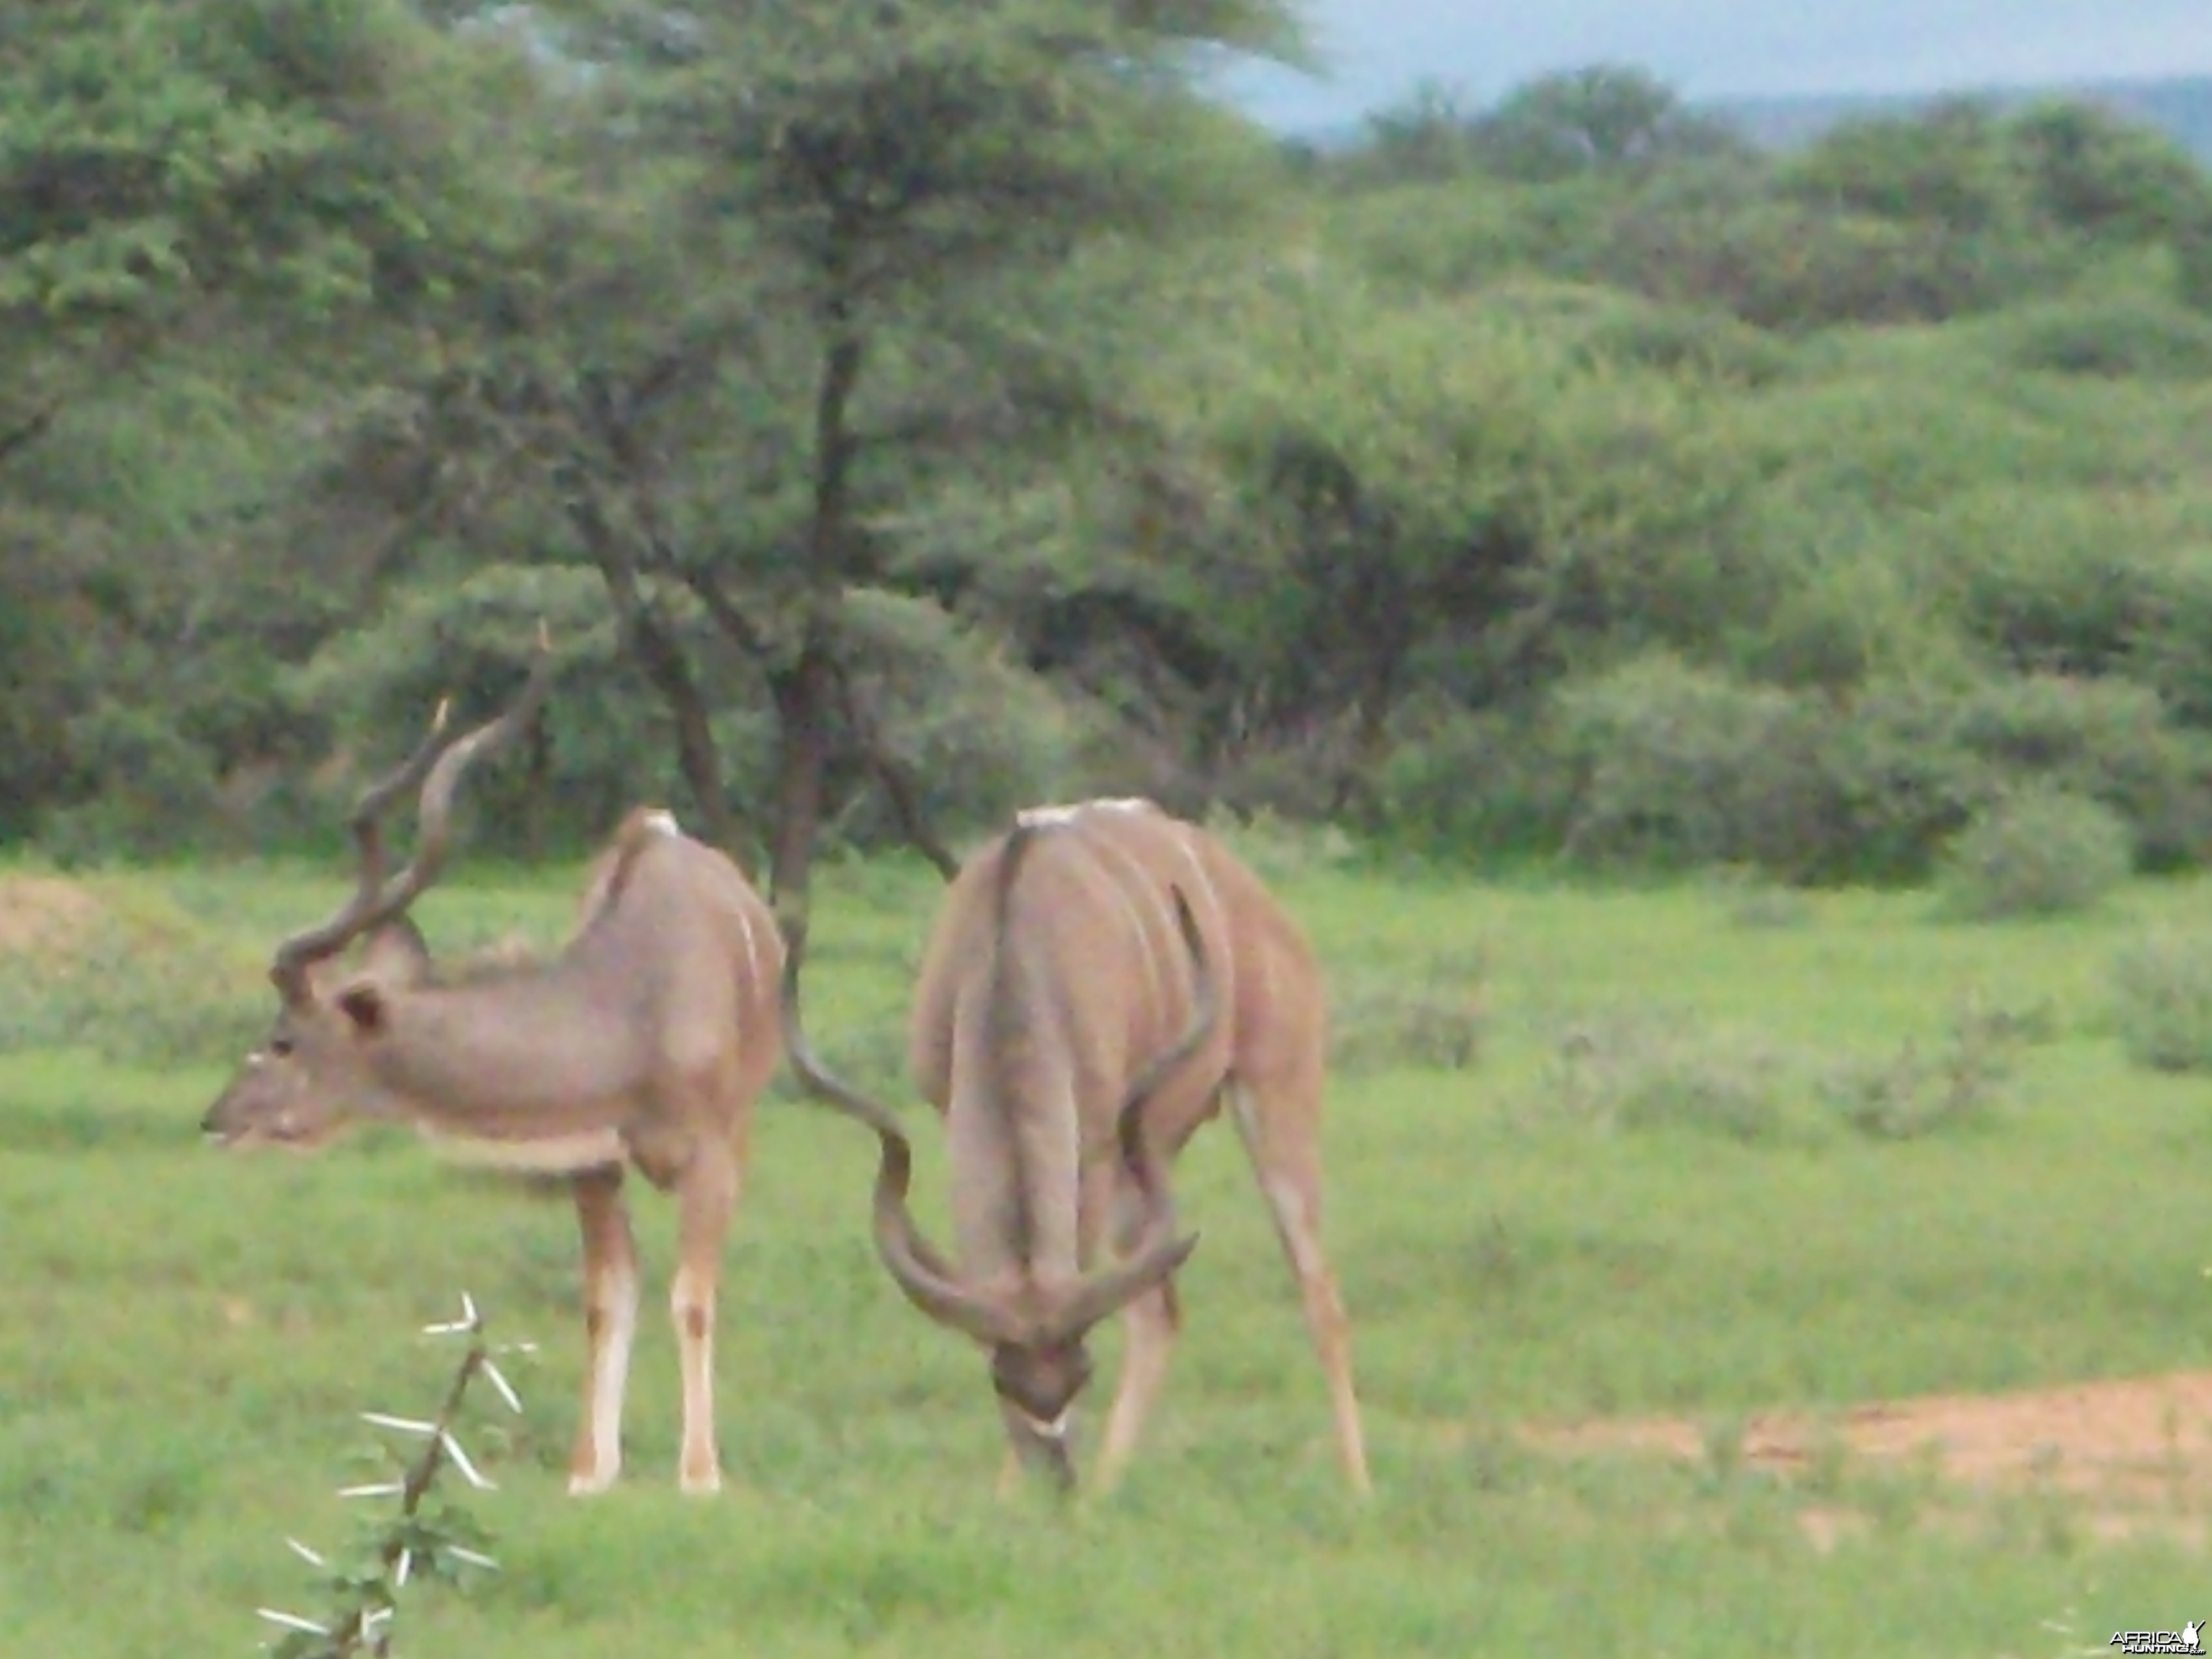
(542, 1051)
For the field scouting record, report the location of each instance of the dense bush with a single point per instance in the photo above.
(1678, 765)
(1472, 785)
(2041, 851)
(2162, 1001)
(1660, 762)
(1573, 476)
(980, 736)
(2130, 336)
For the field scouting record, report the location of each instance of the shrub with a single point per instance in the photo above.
(2162, 1001)
(1631, 1069)
(1278, 849)
(1434, 1017)
(1473, 785)
(1696, 340)
(979, 734)
(2042, 851)
(1908, 1095)
(1679, 766)
(2107, 739)
(2129, 336)
(1909, 766)
(157, 787)
(135, 982)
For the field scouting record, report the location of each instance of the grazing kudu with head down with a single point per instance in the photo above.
(1098, 979)
(644, 1040)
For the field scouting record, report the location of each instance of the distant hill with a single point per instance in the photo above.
(2181, 107)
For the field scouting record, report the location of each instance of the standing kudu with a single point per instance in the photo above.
(645, 1041)
(1097, 980)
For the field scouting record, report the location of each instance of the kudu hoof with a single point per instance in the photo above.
(696, 1483)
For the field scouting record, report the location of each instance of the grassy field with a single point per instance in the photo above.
(1717, 1150)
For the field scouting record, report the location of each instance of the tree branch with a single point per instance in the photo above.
(661, 658)
(896, 777)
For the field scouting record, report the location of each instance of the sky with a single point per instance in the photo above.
(1379, 50)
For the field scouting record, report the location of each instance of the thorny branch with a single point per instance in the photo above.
(413, 1542)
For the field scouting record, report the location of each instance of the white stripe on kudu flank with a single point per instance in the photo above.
(752, 948)
(1197, 867)
(1125, 894)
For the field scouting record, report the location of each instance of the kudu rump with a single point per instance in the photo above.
(1097, 981)
(645, 1041)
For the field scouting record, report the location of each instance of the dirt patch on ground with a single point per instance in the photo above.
(2128, 1452)
(45, 912)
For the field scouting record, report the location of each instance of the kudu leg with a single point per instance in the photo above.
(1280, 1130)
(707, 1195)
(611, 1298)
(1151, 1322)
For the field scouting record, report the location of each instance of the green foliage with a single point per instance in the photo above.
(1604, 119)
(1425, 1016)
(1911, 1094)
(979, 737)
(2130, 336)
(2162, 1000)
(2094, 173)
(472, 642)
(135, 981)
(2039, 852)
(1947, 167)
(1474, 786)
(158, 786)
(1690, 341)
(1678, 765)
(1560, 475)
(1638, 1068)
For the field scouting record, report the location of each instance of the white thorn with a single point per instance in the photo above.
(472, 1558)
(469, 1310)
(375, 1489)
(292, 1621)
(406, 1562)
(531, 1347)
(404, 1425)
(505, 1388)
(305, 1553)
(469, 1471)
(371, 1618)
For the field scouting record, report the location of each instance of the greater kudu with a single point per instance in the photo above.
(1098, 979)
(644, 1042)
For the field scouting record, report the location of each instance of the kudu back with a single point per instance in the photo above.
(643, 1043)
(1099, 980)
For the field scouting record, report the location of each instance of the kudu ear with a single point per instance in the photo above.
(364, 1005)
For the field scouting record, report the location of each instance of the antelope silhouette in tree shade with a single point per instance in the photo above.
(643, 1043)
(1098, 980)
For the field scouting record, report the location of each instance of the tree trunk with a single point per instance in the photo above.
(804, 697)
(806, 693)
(896, 779)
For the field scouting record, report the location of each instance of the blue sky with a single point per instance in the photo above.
(1379, 49)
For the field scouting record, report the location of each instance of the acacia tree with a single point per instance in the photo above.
(804, 270)
(195, 202)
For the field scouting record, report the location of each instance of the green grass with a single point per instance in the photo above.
(184, 1337)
